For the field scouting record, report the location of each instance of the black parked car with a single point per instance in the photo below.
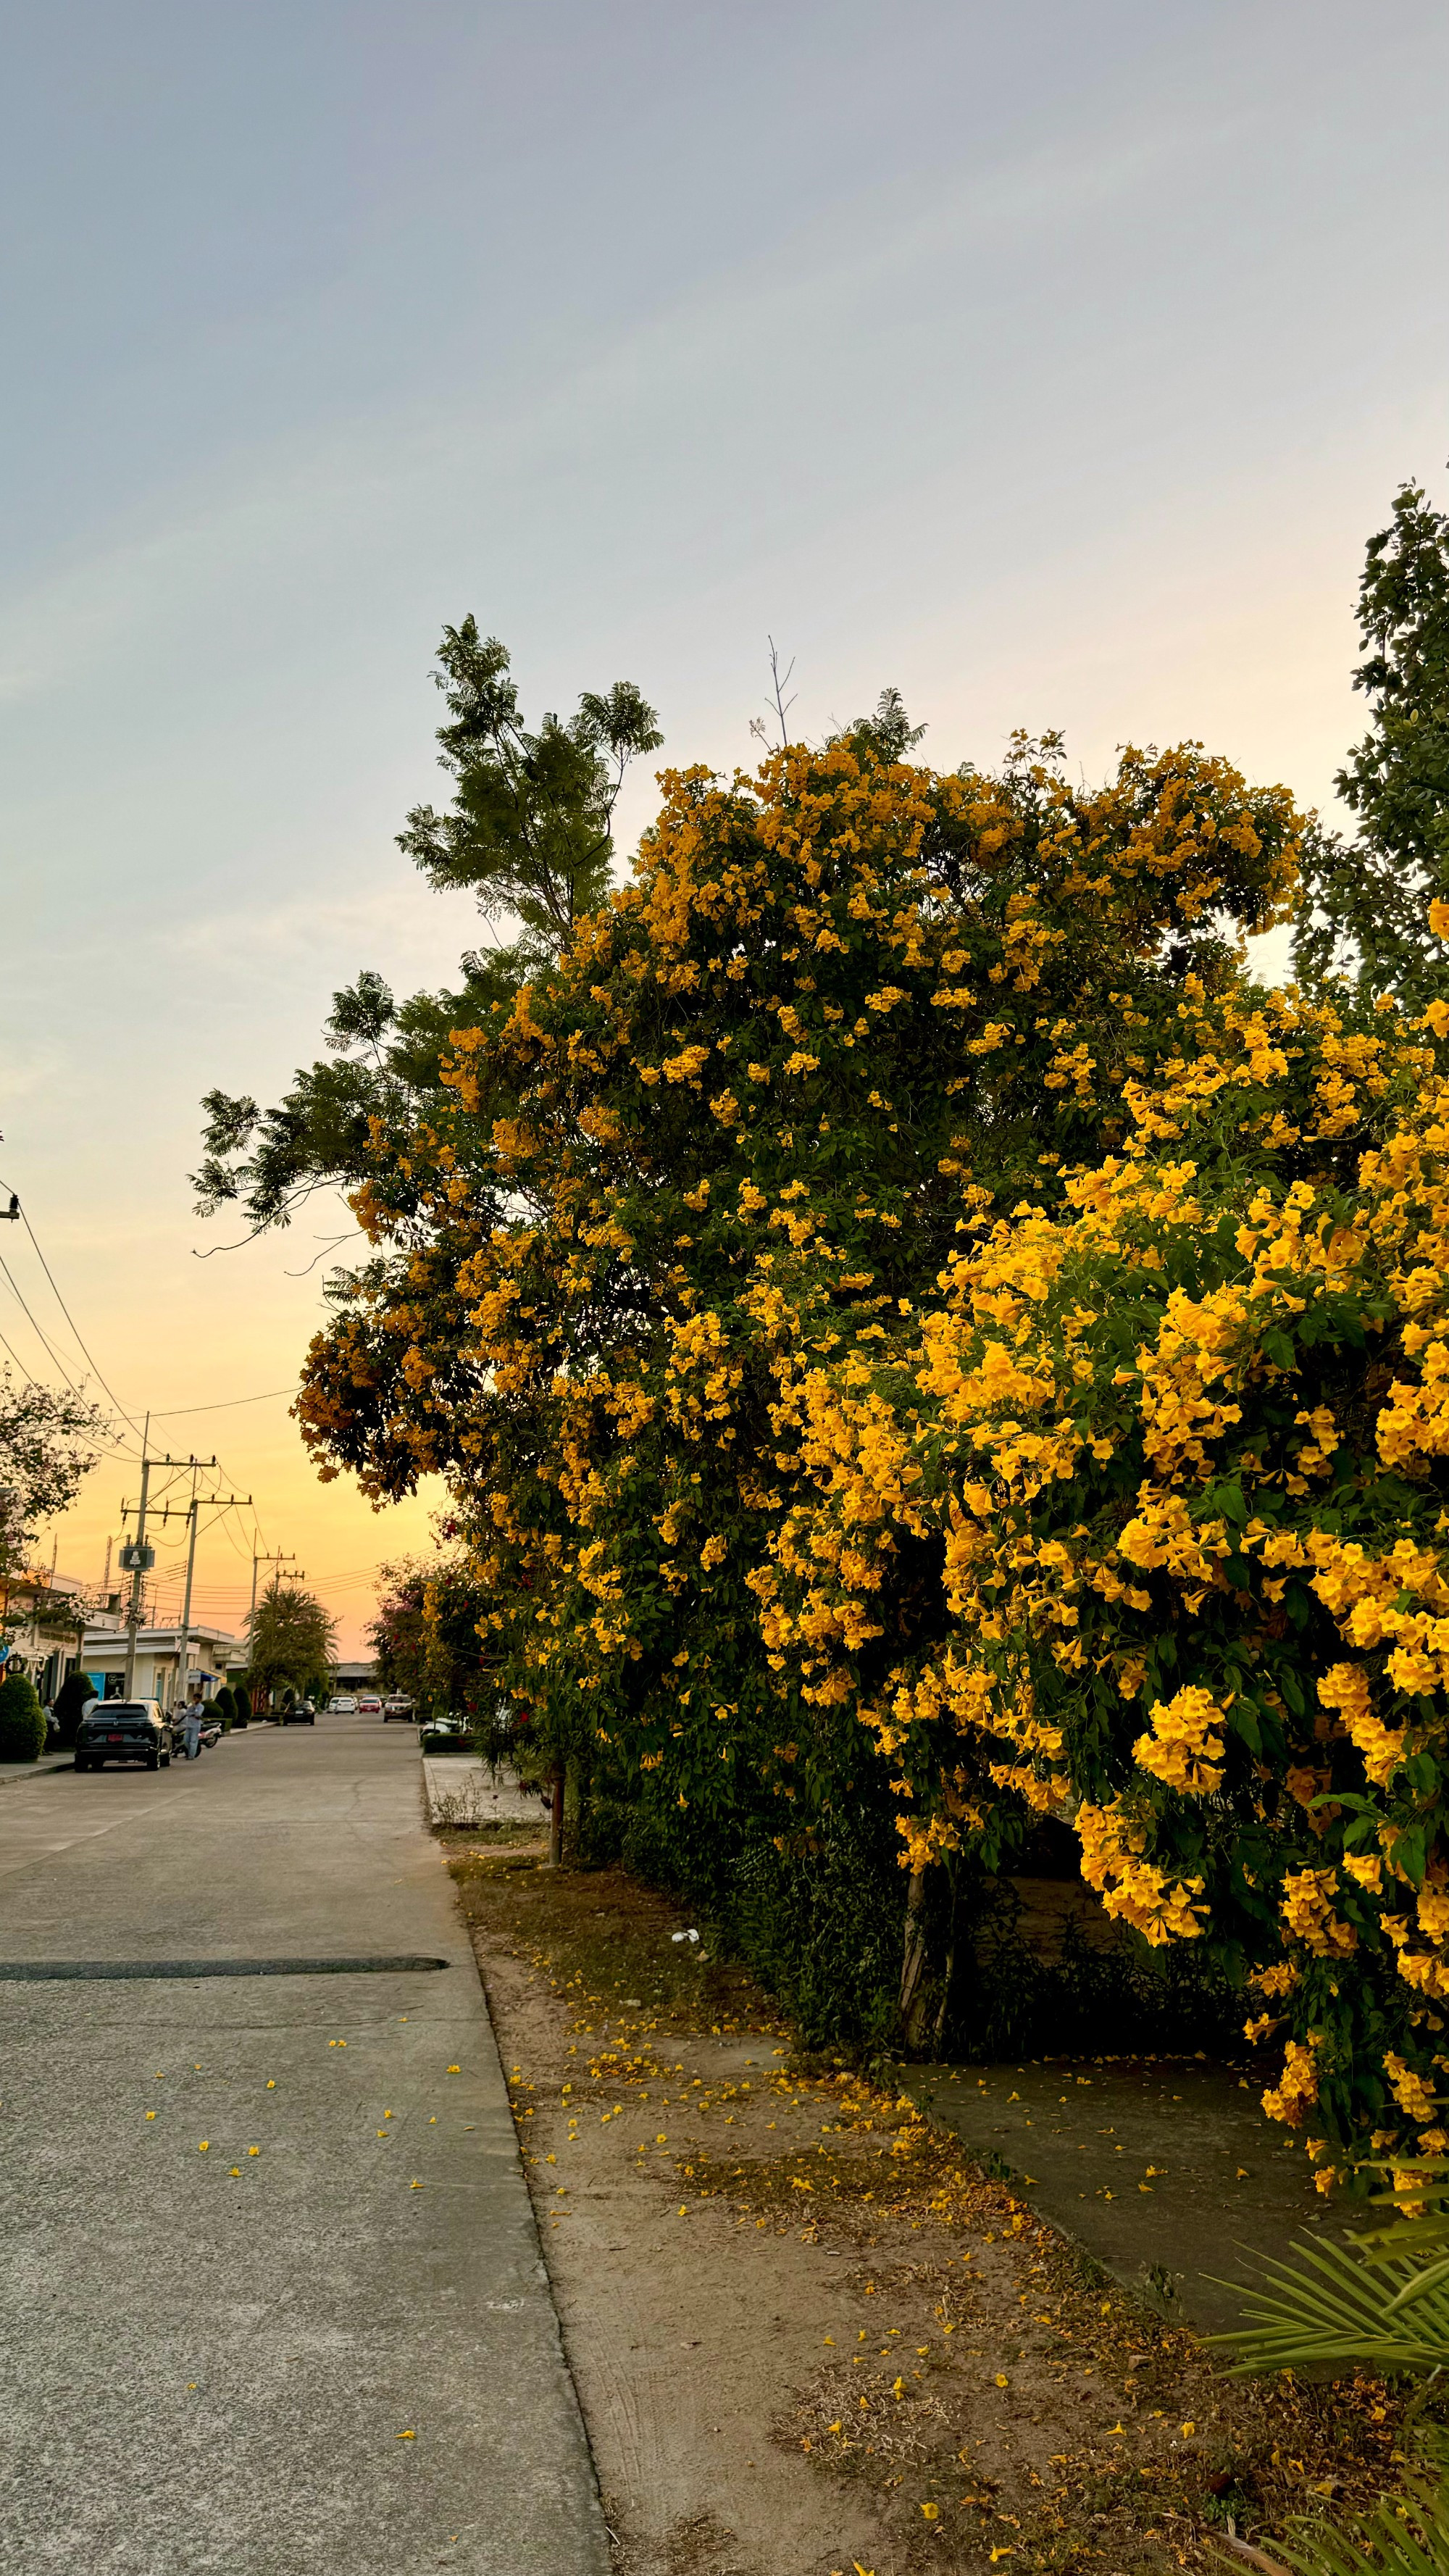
(123, 1730)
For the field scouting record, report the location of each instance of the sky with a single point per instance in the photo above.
(1052, 363)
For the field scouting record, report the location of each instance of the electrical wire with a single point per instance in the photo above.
(171, 1413)
(51, 1353)
(108, 1448)
(227, 1404)
(233, 1542)
(19, 1362)
(70, 1319)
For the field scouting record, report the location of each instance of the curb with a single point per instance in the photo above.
(15, 1779)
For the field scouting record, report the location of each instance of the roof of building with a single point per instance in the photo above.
(104, 1633)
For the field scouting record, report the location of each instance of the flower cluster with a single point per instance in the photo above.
(1180, 1443)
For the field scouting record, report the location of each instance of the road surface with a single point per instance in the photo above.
(271, 2301)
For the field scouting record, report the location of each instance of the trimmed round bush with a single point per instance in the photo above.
(22, 1720)
(72, 1699)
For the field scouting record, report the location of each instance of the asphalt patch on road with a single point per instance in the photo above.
(41, 1971)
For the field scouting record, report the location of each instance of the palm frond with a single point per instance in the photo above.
(1431, 2277)
(1416, 2191)
(1334, 2305)
(1405, 2535)
(1382, 2299)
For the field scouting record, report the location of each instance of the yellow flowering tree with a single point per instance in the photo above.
(730, 1139)
(921, 1348)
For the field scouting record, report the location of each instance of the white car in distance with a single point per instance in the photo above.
(342, 1704)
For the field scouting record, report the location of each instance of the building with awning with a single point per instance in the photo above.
(210, 1652)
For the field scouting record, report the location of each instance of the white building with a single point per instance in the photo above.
(44, 1621)
(158, 1651)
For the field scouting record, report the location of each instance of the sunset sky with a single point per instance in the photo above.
(1053, 363)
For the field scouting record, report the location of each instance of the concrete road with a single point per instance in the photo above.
(271, 2301)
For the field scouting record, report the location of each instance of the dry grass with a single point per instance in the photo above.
(957, 2386)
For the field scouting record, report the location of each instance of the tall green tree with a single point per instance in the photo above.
(291, 1638)
(1366, 904)
(529, 832)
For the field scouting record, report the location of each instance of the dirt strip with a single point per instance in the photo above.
(809, 2338)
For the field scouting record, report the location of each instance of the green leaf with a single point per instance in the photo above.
(1243, 1719)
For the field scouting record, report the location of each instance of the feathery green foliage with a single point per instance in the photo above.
(291, 1635)
(1365, 909)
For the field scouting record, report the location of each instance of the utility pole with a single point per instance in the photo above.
(9, 1499)
(137, 1559)
(183, 1643)
(277, 1557)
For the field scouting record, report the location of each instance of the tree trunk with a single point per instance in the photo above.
(946, 1976)
(913, 1959)
(556, 1816)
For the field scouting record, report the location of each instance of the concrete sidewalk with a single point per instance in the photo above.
(11, 1772)
(332, 2355)
(461, 1790)
(1166, 2169)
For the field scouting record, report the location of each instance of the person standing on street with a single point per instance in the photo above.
(191, 1727)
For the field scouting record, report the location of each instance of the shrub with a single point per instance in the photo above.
(225, 1707)
(1153, 1496)
(22, 1720)
(75, 1694)
(241, 1700)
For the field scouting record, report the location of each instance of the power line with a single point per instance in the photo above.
(224, 1404)
(172, 1413)
(19, 1362)
(70, 1319)
(108, 1448)
(227, 1404)
(53, 1355)
(112, 1448)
